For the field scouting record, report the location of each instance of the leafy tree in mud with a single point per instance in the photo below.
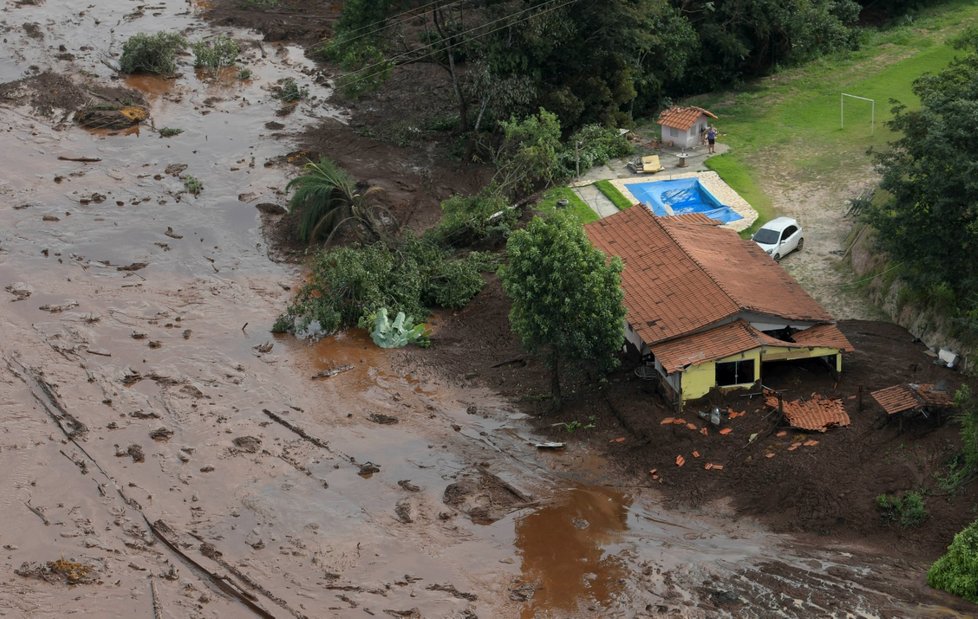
(929, 221)
(957, 571)
(529, 155)
(326, 198)
(566, 296)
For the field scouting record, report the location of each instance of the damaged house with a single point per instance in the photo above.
(708, 309)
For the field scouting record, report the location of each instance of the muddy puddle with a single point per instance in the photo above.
(194, 465)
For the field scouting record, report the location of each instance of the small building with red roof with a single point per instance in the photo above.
(684, 126)
(706, 308)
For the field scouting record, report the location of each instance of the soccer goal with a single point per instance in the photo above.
(842, 111)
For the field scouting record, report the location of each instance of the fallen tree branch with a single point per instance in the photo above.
(80, 159)
(296, 429)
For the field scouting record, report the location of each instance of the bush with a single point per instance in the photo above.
(349, 285)
(169, 132)
(290, 92)
(957, 571)
(968, 417)
(454, 284)
(151, 53)
(468, 220)
(595, 145)
(908, 511)
(217, 54)
(192, 184)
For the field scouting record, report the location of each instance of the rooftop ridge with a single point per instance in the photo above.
(702, 268)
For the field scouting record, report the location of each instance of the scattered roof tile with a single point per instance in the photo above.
(682, 117)
(817, 414)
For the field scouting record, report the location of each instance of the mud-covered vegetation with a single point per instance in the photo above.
(349, 285)
(957, 571)
(152, 53)
(214, 55)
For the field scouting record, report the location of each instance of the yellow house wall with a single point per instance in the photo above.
(697, 380)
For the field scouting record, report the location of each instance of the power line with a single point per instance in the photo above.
(384, 63)
(395, 18)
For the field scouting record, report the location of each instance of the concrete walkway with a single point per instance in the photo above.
(584, 187)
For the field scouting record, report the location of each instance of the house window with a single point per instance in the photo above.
(735, 372)
(673, 132)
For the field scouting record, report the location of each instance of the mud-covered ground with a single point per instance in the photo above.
(166, 456)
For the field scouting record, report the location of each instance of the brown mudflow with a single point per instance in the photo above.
(166, 456)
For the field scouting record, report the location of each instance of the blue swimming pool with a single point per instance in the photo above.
(681, 196)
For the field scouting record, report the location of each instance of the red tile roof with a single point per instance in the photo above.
(686, 273)
(734, 337)
(682, 117)
(743, 271)
(827, 335)
(722, 341)
(817, 414)
(902, 398)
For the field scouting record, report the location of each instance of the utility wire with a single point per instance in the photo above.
(394, 20)
(382, 65)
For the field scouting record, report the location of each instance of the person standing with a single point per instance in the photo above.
(711, 139)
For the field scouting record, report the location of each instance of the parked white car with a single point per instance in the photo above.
(779, 237)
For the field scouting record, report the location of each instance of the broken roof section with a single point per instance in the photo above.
(682, 117)
(907, 397)
(685, 273)
(737, 336)
(818, 414)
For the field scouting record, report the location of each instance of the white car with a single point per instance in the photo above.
(779, 237)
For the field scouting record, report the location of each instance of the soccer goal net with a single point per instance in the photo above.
(861, 102)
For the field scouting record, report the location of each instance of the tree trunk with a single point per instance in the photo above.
(463, 104)
(555, 382)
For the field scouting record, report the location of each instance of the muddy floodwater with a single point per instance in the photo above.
(181, 461)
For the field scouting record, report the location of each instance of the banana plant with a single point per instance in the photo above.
(398, 333)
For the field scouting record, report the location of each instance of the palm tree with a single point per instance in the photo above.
(327, 198)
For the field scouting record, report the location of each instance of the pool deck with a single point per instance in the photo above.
(617, 172)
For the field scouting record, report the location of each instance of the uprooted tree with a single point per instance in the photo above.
(566, 296)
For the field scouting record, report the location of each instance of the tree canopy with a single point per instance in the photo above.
(566, 296)
(929, 221)
(599, 61)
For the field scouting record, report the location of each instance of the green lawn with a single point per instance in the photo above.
(576, 207)
(786, 128)
(611, 192)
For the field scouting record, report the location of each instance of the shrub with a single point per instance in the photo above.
(169, 132)
(908, 511)
(217, 54)
(594, 145)
(467, 220)
(192, 184)
(968, 417)
(453, 284)
(258, 4)
(349, 285)
(244, 74)
(957, 571)
(151, 53)
(290, 92)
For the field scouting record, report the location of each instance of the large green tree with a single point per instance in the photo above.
(929, 223)
(566, 296)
